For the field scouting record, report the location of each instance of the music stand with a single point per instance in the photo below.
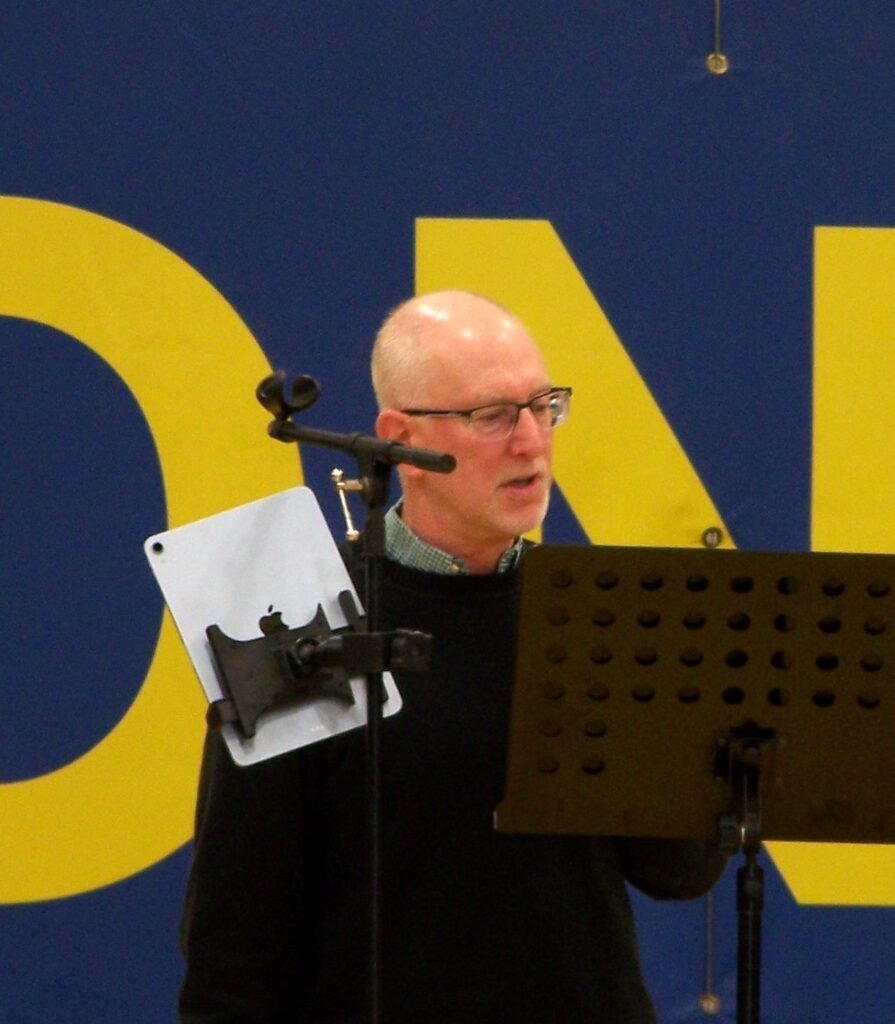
(727, 695)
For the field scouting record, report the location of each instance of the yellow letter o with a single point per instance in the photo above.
(192, 366)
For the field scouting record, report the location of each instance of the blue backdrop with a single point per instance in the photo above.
(285, 151)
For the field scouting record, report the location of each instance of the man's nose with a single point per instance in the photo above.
(527, 435)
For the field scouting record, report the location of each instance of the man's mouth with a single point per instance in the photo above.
(522, 482)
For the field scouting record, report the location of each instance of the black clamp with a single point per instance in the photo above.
(742, 761)
(287, 665)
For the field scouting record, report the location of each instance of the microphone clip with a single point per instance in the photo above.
(271, 393)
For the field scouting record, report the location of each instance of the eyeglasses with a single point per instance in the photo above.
(496, 422)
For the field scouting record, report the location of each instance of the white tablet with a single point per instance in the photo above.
(235, 568)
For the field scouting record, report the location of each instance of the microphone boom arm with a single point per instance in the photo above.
(390, 452)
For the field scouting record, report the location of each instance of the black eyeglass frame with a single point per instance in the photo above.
(518, 406)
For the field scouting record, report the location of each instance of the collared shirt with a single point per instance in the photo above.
(402, 545)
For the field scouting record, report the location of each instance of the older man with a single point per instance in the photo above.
(478, 927)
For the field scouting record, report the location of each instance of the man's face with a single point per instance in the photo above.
(499, 489)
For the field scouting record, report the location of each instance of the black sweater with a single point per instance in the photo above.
(478, 927)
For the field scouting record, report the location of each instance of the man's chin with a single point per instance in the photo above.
(528, 520)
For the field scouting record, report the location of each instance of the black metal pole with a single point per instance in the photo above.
(376, 477)
(374, 795)
(750, 904)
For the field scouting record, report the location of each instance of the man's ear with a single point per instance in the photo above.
(392, 425)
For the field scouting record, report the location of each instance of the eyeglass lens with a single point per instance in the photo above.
(499, 420)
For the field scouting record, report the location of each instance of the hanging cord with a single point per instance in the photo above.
(716, 61)
(709, 1001)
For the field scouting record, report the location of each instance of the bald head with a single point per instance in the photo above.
(425, 332)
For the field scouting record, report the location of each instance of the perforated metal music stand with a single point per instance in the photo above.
(726, 695)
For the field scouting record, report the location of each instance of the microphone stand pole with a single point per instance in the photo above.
(375, 458)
